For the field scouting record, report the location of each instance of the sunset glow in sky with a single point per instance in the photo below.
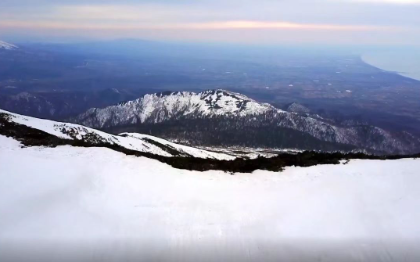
(244, 21)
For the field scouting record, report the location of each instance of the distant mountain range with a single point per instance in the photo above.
(224, 118)
(59, 105)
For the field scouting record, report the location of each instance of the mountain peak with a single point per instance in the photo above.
(159, 107)
(206, 93)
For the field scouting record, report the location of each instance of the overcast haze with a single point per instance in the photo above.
(257, 22)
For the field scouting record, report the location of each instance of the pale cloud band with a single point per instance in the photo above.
(218, 20)
(225, 25)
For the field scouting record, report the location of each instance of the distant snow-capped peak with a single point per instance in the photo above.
(7, 46)
(170, 105)
(210, 102)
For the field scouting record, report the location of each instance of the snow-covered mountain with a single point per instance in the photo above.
(156, 108)
(235, 111)
(131, 141)
(93, 204)
(7, 46)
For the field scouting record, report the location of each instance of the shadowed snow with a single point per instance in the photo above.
(122, 208)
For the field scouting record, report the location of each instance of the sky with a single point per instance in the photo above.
(387, 22)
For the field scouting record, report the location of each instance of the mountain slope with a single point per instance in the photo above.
(45, 133)
(135, 142)
(229, 112)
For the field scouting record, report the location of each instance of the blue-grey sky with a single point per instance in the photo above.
(238, 21)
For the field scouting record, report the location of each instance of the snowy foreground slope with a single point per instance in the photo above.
(95, 204)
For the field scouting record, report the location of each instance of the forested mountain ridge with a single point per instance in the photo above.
(220, 117)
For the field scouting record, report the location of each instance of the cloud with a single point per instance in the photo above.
(299, 12)
(283, 25)
(222, 25)
(163, 17)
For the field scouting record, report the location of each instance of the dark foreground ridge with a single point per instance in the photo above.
(33, 137)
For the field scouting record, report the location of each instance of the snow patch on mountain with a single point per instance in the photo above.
(7, 46)
(200, 153)
(298, 108)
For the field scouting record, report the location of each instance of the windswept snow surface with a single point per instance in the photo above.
(130, 141)
(94, 204)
